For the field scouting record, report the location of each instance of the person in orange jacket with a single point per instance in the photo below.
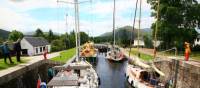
(187, 51)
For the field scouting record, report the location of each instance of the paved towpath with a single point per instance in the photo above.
(164, 57)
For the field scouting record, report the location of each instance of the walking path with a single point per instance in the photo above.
(30, 60)
(165, 57)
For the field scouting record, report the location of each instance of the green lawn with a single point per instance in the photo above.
(143, 56)
(4, 65)
(195, 55)
(65, 55)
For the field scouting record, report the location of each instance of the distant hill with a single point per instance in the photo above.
(4, 34)
(128, 30)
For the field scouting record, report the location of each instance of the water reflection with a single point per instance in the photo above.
(111, 74)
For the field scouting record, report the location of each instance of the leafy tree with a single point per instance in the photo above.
(50, 36)
(14, 35)
(83, 37)
(177, 21)
(57, 45)
(1, 40)
(148, 41)
(65, 39)
(72, 39)
(39, 33)
(125, 40)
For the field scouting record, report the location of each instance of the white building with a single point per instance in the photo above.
(141, 43)
(197, 40)
(157, 43)
(34, 45)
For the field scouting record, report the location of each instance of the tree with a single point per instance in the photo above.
(39, 33)
(65, 39)
(14, 35)
(1, 40)
(125, 40)
(148, 41)
(83, 37)
(50, 36)
(177, 21)
(57, 45)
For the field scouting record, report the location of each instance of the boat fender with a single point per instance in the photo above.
(99, 80)
(132, 82)
(43, 85)
(127, 77)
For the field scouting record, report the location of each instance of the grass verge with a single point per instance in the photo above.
(65, 55)
(7, 65)
(143, 56)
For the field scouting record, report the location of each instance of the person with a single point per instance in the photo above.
(187, 51)
(6, 52)
(17, 49)
(45, 53)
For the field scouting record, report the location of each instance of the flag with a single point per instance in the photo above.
(38, 81)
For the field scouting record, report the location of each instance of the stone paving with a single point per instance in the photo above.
(30, 60)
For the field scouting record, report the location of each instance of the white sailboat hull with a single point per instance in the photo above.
(133, 80)
(114, 57)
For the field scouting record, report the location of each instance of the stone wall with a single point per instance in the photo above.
(27, 77)
(186, 74)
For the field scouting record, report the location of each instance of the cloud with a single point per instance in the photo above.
(14, 15)
(9, 19)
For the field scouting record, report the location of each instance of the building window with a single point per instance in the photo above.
(36, 50)
(40, 49)
(197, 39)
(43, 48)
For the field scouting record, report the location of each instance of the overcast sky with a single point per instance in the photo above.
(95, 16)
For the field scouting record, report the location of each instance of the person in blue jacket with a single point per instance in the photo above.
(6, 52)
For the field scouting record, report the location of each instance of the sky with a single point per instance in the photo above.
(95, 15)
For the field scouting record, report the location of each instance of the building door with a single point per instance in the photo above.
(40, 49)
(36, 50)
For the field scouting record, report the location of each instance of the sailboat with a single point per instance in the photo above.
(79, 73)
(142, 75)
(115, 54)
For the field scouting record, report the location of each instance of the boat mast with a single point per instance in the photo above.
(114, 25)
(139, 27)
(77, 28)
(155, 36)
(132, 33)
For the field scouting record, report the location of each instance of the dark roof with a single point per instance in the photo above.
(37, 41)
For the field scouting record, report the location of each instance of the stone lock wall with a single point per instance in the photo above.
(28, 76)
(185, 74)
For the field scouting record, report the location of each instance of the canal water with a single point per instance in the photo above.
(112, 74)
